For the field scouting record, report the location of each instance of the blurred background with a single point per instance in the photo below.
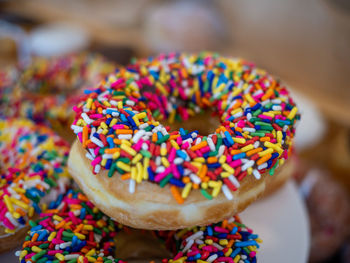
(305, 43)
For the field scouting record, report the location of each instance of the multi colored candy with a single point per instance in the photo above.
(72, 229)
(119, 123)
(46, 89)
(32, 171)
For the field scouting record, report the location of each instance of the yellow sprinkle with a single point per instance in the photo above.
(106, 103)
(128, 149)
(186, 190)
(88, 103)
(165, 162)
(91, 259)
(145, 166)
(220, 88)
(199, 160)
(103, 162)
(247, 148)
(249, 98)
(139, 172)
(198, 165)
(31, 212)
(233, 112)
(223, 242)
(228, 168)
(88, 227)
(19, 190)
(292, 113)
(217, 190)
(36, 249)
(228, 252)
(174, 144)
(163, 151)
(209, 241)
(281, 161)
(16, 215)
(250, 170)
(222, 159)
(8, 203)
(267, 151)
(23, 254)
(120, 105)
(123, 166)
(279, 136)
(116, 155)
(51, 236)
(113, 122)
(136, 120)
(239, 140)
(201, 261)
(137, 158)
(91, 252)
(237, 258)
(225, 174)
(204, 185)
(104, 125)
(273, 146)
(133, 173)
(172, 116)
(141, 115)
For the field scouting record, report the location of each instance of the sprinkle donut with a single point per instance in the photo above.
(144, 175)
(46, 89)
(74, 230)
(32, 173)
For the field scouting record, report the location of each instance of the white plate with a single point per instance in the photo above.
(281, 222)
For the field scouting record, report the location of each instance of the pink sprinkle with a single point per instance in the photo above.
(220, 229)
(96, 161)
(162, 175)
(236, 163)
(262, 116)
(172, 155)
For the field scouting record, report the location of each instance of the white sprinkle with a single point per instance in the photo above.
(234, 181)
(97, 168)
(188, 246)
(160, 169)
(248, 129)
(195, 236)
(113, 102)
(86, 118)
(194, 178)
(138, 135)
(262, 166)
(227, 192)
(64, 245)
(249, 116)
(198, 140)
(217, 246)
(76, 128)
(89, 156)
(143, 125)
(211, 144)
(107, 156)
(97, 141)
(124, 136)
(212, 258)
(178, 160)
(144, 146)
(256, 173)
(132, 186)
(276, 107)
(247, 165)
(238, 114)
(11, 219)
(130, 102)
(256, 144)
(221, 150)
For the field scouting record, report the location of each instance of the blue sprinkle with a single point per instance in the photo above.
(210, 231)
(181, 154)
(238, 156)
(229, 137)
(150, 174)
(176, 182)
(246, 243)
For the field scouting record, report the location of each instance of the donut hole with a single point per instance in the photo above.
(140, 245)
(205, 123)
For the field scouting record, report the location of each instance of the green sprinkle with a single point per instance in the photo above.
(39, 255)
(206, 194)
(165, 181)
(146, 153)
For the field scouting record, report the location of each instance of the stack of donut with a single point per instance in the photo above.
(183, 187)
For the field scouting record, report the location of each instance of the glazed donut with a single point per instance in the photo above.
(32, 173)
(46, 89)
(74, 230)
(136, 162)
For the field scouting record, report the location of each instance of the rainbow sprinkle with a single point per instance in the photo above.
(72, 229)
(46, 90)
(32, 171)
(118, 123)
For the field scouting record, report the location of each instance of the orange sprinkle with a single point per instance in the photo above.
(186, 180)
(212, 159)
(265, 139)
(154, 137)
(173, 137)
(230, 243)
(117, 141)
(20, 211)
(119, 131)
(35, 237)
(126, 176)
(199, 146)
(254, 151)
(268, 94)
(112, 150)
(60, 224)
(82, 197)
(20, 177)
(53, 211)
(75, 206)
(233, 152)
(26, 244)
(79, 228)
(204, 170)
(263, 159)
(176, 194)
(85, 135)
(195, 186)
